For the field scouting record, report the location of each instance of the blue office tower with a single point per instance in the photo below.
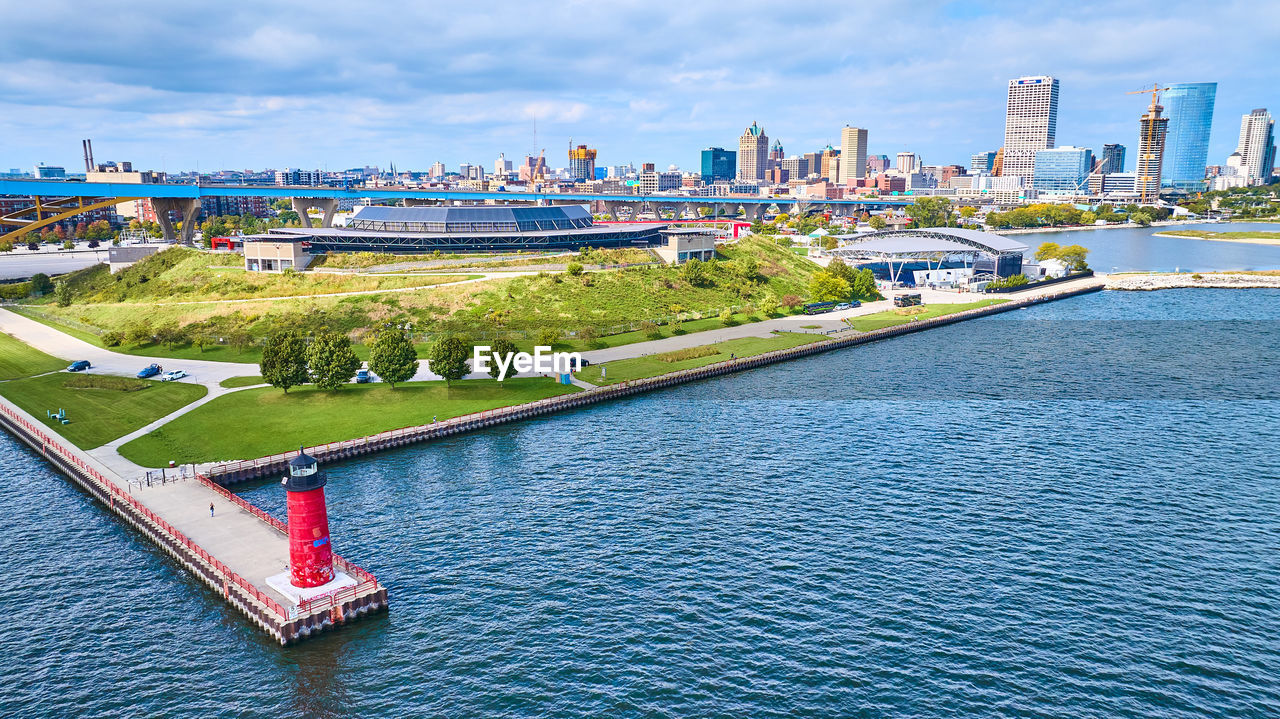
(1189, 107)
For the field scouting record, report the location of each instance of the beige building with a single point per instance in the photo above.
(753, 153)
(268, 256)
(686, 243)
(853, 154)
(1030, 124)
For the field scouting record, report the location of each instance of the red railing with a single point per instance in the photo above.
(114, 491)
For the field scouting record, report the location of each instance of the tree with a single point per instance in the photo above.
(1047, 251)
(284, 361)
(502, 347)
(930, 212)
(769, 305)
(574, 269)
(392, 357)
(864, 285)
(726, 316)
(838, 268)
(830, 243)
(790, 301)
(1088, 218)
(826, 287)
(448, 358)
(1073, 256)
(650, 329)
(41, 284)
(1141, 218)
(62, 294)
(68, 244)
(330, 360)
(968, 211)
(138, 333)
(695, 273)
(877, 222)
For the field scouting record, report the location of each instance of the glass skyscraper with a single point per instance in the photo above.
(1189, 107)
(1063, 169)
(718, 164)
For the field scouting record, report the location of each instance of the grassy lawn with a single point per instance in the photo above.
(889, 318)
(654, 365)
(1211, 235)
(258, 422)
(19, 359)
(249, 381)
(98, 415)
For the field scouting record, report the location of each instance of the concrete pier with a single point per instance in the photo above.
(234, 551)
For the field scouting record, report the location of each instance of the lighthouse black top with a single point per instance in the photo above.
(304, 474)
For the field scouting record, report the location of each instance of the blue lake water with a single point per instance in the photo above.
(1070, 510)
(1137, 249)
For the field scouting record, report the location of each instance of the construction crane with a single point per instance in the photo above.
(540, 167)
(1144, 159)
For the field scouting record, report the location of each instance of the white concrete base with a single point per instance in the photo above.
(281, 583)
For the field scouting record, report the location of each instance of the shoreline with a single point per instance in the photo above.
(1148, 281)
(1117, 226)
(1268, 241)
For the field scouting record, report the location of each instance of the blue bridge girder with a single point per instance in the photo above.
(62, 188)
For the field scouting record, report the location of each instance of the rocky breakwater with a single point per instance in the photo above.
(1216, 280)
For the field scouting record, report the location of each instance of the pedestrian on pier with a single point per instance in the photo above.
(211, 509)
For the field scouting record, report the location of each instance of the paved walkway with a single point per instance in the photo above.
(104, 361)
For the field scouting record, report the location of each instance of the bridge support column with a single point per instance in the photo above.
(612, 209)
(327, 205)
(188, 207)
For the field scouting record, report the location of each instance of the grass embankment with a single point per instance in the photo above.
(599, 300)
(898, 316)
(258, 422)
(19, 359)
(1259, 237)
(181, 274)
(689, 358)
(98, 414)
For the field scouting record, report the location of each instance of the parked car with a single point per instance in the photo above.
(172, 375)
(842, 306)
(582, 362)
(363, 376)
(149, 371)
(79, 366)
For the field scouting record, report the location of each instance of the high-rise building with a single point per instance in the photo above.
(437, 170)
(797, 167)
(1111, 160)
(982, 162)
(299, 178)
(1063, 169)
(853, 154)
(908, 162)
(814, 160)
(502, 166)
(830, 166)
(718, 164)
(1030, 123)
(776, 154)
(753, 153)
(877, 164)
(1189, 107)
(1152, 130)
(582, 163)
(1257, 146)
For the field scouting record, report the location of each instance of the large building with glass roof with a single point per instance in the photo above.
(894, 254)
(466, 228)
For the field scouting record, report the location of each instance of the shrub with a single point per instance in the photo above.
(112, 338)
(574, 269)
(790, 301)
(726, 317)
(650, 329)
(547, 337)
(688, 353)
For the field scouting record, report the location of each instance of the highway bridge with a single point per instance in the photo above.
(52, 201)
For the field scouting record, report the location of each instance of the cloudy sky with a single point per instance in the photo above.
(317, 83)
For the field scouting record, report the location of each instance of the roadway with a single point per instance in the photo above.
(61, 188)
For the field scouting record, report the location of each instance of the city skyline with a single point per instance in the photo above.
(640, 84)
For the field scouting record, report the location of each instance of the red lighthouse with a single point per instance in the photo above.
(310, 556)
